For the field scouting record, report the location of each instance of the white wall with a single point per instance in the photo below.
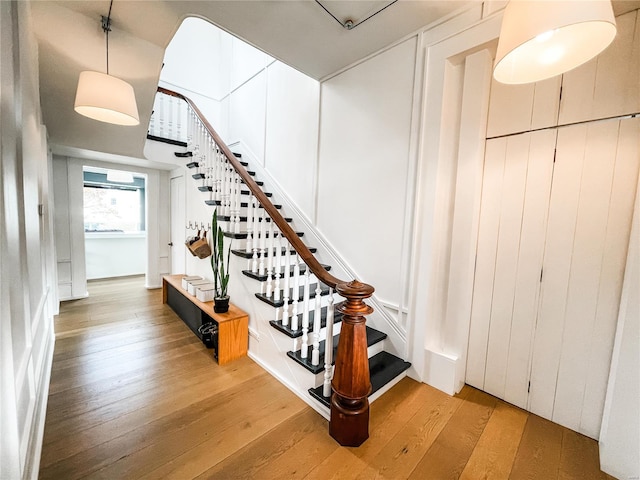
(28, 297)
(620, 433)
(111, 255)
(365, 132)
(291, 150)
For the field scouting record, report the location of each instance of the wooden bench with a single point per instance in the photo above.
(233, 326)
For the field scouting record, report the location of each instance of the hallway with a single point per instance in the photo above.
(134, 394)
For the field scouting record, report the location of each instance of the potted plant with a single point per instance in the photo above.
(220, 273)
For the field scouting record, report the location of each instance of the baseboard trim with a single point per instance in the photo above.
(34, 450)
(440, 371)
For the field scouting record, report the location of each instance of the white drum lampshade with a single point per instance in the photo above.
(542, 39)
(106, 98)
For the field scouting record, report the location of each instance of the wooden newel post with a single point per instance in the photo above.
(349, 423)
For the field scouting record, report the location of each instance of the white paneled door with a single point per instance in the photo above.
(177, 225)
(554, 229)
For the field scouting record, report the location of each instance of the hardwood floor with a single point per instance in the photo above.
(134, 394)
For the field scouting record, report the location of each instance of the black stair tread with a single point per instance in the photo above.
(170, 141)
(247, 192)
(260, 183)
(383, 368)
(198, 176)
(243, 218)
(251, 172)
(237, 155)
(277, 324)
(205, 189)
(324, 290)
(242, 204)
(242, 235)
(263, 278)
(227, 218)
(183, 154)
(373, 336)
(193, 165)
(245, 254)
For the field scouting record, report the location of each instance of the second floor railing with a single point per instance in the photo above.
(270, 240)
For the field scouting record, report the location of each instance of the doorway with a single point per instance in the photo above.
(115, 223)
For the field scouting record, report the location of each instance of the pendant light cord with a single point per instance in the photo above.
(106, 27)
(349, 24)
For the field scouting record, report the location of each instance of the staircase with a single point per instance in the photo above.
(306, 304)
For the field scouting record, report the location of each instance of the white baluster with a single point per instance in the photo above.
(277, 262)
(256, 235)
(262, 243)
(196, 141)
(287, 273)
(236, 199)
(180, 110)
(294, 296)
(305, 317)
(218, 174)
(152, 120)
(211, 155)
(224, 185)
(249, 244)
(161, 116)
(228, 189)
(328, 348)
(170, 108)
(189, 130)
(315, 354)
(270, 260)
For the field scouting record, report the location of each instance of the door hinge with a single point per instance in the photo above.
(529, 388)
(541, 271)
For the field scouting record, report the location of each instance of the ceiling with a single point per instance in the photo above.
(298, 32)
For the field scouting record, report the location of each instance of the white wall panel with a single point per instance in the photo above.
(485, 261)
(530, 252)
(247, 115)
(517, 179)
(189, 60)
(506, 270)
(608, 85)
(247, 61)
(519, 108)
(292, 133)
(620, 434)
(26, 339)
(565, 197)
(364, 148)
(625, 178)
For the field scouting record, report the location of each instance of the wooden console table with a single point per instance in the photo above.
(233, 326)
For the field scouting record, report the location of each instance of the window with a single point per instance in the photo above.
(112, 206)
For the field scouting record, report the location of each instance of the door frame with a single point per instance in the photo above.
(451, 153)
(177, 224)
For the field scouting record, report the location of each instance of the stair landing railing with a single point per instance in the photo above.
(223, 175)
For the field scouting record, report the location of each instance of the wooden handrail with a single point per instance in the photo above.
(351, 384)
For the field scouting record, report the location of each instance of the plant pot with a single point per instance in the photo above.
(221, 304)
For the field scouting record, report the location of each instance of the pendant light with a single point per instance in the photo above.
(542, 39)
(104, 97)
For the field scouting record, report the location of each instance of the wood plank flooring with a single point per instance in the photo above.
(135, 395)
